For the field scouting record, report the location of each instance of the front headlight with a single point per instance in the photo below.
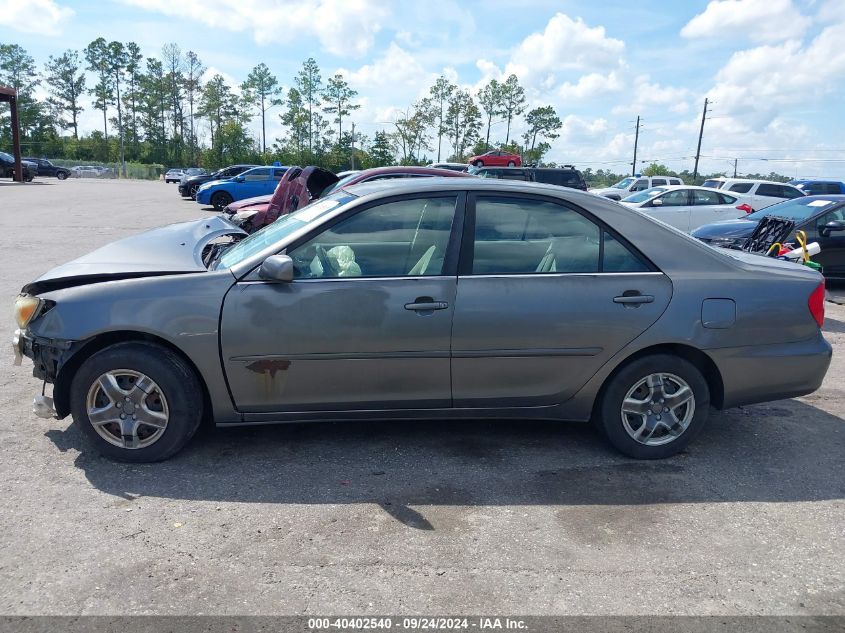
(26, 309)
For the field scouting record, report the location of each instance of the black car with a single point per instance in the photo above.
(566, 176)
(188, 188)
(822, 218)
(7, 167)
(46, 168)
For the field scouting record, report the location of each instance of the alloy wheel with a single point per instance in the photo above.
(658, 409)
(127, 409)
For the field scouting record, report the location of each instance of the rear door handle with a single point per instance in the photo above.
(634, 299)
(422, 306)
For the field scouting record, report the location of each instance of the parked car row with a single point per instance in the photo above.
(7, 167)
(189, 185)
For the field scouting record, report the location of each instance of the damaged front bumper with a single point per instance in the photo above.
(48, 356)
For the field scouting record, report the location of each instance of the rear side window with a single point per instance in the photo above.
(658, 182)
(675, 181)
(713, 184)
(741, 187)
(640, 185)
(525, 236)
(791, 192)
(560, 177)
(726, 199)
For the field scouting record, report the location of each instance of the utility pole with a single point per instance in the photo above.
(735, 160)
(700, 134)
(636, 141)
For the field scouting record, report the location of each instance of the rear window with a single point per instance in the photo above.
(797, 209)
(561, 177)
(713, 184)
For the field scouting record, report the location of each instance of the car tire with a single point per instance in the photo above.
(193, 192)
(646, 385)
(479, 163)
(61, 175)
(511, 163)
(173, 390)
(220, 199)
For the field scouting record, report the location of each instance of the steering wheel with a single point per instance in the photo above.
(326, 263)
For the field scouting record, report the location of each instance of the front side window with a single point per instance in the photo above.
(395, 239)
(622, 184)
(640, 185)
(677, 198)
(524, 236)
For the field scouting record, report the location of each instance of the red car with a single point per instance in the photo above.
(298, 187)
(496, 158)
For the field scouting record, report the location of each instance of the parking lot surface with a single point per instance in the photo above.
(445, 518)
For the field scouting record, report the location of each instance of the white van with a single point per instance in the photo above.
(632, 184)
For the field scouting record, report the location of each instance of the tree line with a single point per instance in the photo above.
(163, 110)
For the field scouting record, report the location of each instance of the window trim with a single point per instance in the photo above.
(467, 242)
(450, 262)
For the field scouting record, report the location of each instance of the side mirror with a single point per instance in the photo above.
(830, 227)
(277, 268)
(657, 202)
(239, 178)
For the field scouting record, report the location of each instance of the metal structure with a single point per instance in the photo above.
(10, 96)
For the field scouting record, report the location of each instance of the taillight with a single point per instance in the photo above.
(816, 304)
(745, 207)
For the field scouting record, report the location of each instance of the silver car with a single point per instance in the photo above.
(424, 298)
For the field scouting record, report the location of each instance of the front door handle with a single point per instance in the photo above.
(633, 299)
(426, 304)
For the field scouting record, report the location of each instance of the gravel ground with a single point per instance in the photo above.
(378, 518)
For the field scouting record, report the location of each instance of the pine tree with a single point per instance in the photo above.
(262, 89)
(66, 84)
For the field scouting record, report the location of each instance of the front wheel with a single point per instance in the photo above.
(479, 163)
(511, 163)
(136, 402)
(654, 407)
(220, 199)
(193, 192)
(61, 175)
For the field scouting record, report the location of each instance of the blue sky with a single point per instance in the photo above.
(775, 69)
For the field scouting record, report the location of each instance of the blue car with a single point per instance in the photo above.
(819, 187)
(257, 181)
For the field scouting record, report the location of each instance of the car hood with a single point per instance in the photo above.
(167, 250)
(727, 229)
(236, 206)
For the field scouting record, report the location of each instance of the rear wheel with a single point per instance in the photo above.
(511, 163)
(136, 402)
(220, 199)
(479, 163)
(193, 192)
(654, 407)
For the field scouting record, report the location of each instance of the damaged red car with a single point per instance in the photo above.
(299, 187)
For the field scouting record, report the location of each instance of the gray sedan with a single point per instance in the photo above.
(429, 298)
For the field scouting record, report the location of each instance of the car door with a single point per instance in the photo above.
(672, 207)
(709, 205)
(545, 297)
(366, 322)
(256, 182)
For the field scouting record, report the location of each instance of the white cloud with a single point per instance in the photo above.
(564, 44)
(343, 27)
(757, 84)
(591, 86)
(646, 95)
(394, 68)
(41, 17)
(756, 20)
